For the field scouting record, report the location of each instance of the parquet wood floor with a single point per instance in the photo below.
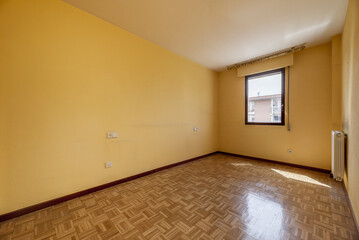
(217, 197)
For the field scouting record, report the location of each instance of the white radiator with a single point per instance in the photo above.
(338, 139)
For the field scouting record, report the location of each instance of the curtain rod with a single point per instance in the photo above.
(268, 56)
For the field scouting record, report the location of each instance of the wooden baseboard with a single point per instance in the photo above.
(351, 208)
(55, 201)
(277, 162)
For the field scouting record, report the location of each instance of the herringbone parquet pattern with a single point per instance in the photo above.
(217, 197)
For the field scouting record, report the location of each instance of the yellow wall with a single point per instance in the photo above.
(337, 82)
(66, 78)
(350, 52)
(310, 115)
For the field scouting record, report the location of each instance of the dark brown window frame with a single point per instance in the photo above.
(247, 78)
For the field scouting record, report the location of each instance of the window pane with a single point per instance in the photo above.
(264, 98)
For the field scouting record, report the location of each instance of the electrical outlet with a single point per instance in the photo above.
(195, 129)
(112, 134)
(290, 150)
(108, 164)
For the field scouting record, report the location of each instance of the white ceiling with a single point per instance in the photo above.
(218, 33)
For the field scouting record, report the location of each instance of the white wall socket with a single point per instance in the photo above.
(112, 134)
(108, 164)
(195, 129)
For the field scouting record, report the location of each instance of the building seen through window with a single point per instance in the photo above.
(265, 98)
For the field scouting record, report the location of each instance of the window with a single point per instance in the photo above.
(265, 98)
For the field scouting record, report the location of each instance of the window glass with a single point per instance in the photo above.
(265, 98)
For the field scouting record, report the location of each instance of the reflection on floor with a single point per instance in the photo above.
(217, 197)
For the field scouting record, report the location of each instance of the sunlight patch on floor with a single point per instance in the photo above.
(241, 164)
(300, 177)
